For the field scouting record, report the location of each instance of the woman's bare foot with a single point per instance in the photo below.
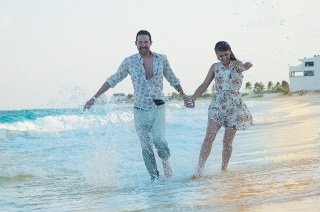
(195, 176)
(167, 168)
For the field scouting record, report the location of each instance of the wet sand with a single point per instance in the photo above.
(73, 161)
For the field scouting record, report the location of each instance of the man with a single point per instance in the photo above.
(147, 70)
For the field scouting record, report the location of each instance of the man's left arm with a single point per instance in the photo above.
(180, 91)
(186, 100)
(175, 82)
(171, 77)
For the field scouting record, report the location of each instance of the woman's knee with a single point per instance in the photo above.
(227, 145)
(210, 136)
(208, 139)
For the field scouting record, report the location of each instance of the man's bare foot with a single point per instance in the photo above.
(167, 168)
(196, 176)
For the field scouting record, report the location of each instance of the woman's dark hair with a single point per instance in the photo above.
(143, 32)
(223, 46)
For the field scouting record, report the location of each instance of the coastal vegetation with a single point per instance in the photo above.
(259, 87)
(254, 90)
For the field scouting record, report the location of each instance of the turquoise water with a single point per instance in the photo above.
(65, 159)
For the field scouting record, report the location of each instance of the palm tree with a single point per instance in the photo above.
(277, 87)
(213, 90)
(248, 86)
(262, 86)
(130, 96)
(270, 85)
(285, 87)
(258, 87)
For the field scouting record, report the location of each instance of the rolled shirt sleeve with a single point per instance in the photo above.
(121, 73)
(168, 73)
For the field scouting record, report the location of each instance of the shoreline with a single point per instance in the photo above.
(278, 96)
(251, 96)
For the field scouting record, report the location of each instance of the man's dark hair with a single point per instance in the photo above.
(143, 32)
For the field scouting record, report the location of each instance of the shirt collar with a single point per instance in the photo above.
(229, 66)
(155, 55)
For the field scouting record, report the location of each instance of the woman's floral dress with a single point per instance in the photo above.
(227, 107)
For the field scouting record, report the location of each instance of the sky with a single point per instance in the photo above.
(58, 53)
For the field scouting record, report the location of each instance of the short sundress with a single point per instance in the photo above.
(227, 107)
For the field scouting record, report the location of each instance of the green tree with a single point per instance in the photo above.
(130, 96)
(270, 85)
(175, 95)
(277, 88)
(258, 87)
(213, 90)
(206, 94)
(262, 86)
(248, 86)
(285, 87)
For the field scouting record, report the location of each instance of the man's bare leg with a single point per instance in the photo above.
(167, 170)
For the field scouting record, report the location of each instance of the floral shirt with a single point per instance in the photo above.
(145, 91)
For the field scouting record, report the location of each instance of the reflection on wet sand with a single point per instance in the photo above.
(275, 165)
(286, 172)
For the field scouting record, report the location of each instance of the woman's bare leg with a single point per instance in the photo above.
(227, 147)
(212, 130)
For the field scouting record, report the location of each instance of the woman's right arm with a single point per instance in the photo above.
(203, 87)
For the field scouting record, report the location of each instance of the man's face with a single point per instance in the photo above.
(143, 44)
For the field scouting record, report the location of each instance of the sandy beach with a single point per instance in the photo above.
(69, 160)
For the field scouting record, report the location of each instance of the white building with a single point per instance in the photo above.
(305, 76)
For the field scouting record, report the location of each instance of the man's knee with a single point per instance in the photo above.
(146, 147)
(164, 153)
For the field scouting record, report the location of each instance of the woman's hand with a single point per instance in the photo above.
(247, 65)
(188, 102)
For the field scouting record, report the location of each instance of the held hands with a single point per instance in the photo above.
(88, 104)
(188, 102)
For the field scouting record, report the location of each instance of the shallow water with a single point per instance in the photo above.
(65, 159)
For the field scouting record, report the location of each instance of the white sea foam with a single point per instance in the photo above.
(67, 122)
(94, 160)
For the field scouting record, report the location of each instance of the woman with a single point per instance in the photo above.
(227, 107)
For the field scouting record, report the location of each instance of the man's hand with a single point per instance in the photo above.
(188, 102)
(88, 104)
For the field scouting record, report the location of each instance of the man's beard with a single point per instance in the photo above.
(143, 51)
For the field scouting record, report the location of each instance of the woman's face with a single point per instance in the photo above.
(224, 57)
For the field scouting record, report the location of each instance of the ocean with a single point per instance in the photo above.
(70, 160)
